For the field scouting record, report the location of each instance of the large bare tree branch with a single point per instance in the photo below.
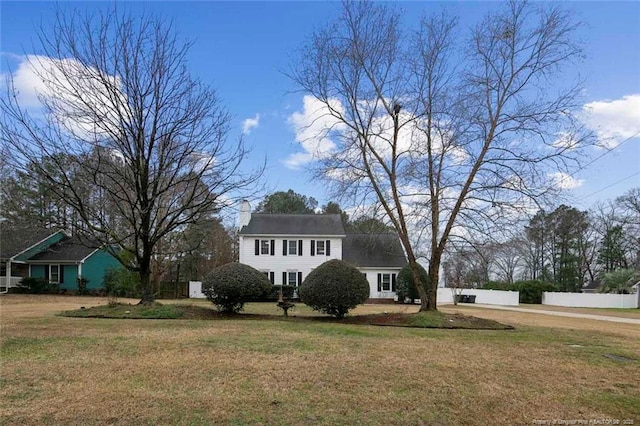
(138, 145)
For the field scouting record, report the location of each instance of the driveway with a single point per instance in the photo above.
(559, 313)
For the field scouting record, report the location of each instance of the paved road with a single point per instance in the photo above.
(560, 314)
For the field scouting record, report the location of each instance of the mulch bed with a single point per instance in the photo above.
(420, 320)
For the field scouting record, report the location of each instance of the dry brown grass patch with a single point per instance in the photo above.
(101, 371)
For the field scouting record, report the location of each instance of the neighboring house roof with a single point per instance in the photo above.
(373, 250)
(69, 249)
(14, 241)
(294, 224)
(592, 285)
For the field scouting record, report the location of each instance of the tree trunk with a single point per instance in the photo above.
(422, 291)
(434, 275)
(145, 285)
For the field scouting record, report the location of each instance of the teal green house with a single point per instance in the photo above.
(61, 259)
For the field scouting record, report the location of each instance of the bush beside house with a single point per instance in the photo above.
(406, 290)
(230, 286)
(334, 288)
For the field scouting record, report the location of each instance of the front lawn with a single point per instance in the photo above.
(60, 370)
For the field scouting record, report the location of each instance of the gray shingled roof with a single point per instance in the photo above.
(14, 241)
(69, 249)
(373, 250)
(294, 224)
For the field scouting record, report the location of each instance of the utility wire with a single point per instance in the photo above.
(605, 153)
(609, 186)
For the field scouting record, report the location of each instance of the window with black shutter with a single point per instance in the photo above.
(293, 247)
(264, 247)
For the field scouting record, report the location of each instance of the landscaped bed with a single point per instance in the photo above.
(189, 311)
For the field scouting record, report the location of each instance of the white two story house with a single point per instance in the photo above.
(287, 247)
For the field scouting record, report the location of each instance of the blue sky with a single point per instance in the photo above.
(243, 49)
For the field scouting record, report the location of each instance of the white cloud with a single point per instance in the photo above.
(316, 129)
(82, 104)
(313, 127)
(565, 181)
(28, 83)
(250, 124)
(614, 121)
(565, 141)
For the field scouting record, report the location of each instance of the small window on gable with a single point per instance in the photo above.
(320, 247)
(264, 246)
(293, 246)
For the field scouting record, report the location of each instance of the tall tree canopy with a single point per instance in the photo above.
(287, 202)
(448, 133)
(144, 142)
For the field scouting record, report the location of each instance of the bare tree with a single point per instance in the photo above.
(460, 271)
(450, 136)
(147, 142)
(508, 258)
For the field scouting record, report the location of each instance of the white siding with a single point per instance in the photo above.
(278, 263)
(372, 277)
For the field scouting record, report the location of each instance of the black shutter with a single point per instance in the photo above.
(379, 282)
(284, 247)
(284, 278)
(272, 277)
(61, 274)
(393, 282)
(257, 247)
(273, 247)
(46, 272)
(299, 278)
(299, 247)
(313, 247)
(327, 248)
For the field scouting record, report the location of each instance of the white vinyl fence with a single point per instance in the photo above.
(591, 300)
(486, 297)
(195, 290)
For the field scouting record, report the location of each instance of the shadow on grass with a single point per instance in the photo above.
(176, 311)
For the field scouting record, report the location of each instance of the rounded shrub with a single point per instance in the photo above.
(405, 288)
(230, 286)
(334, 287)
